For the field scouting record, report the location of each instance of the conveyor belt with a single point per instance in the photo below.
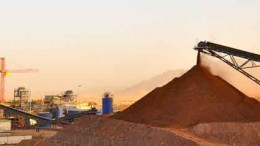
(222, 52)
(25, 114)
(43, 119)
(227, 50)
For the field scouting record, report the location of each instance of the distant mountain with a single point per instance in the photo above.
(139, 90)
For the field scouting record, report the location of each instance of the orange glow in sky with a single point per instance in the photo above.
(117, 43)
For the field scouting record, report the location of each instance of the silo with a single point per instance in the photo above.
(107, 104)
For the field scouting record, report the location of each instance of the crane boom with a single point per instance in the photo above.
(4, 72)
(23, 70)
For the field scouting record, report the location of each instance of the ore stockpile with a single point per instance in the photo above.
(196, 97)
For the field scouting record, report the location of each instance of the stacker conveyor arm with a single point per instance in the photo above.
(227, 50)
(217, 51)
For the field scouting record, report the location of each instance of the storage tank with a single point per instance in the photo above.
(107, 104)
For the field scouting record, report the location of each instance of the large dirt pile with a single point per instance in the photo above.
(100, 131)
(196, 97)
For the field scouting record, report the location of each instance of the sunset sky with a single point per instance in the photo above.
(113, 44)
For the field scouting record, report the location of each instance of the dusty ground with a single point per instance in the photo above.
(101, 131)
(42, 133)
(235, 134)
(36, 136)
(104, 131)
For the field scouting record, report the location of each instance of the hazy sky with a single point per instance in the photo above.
(115, 43)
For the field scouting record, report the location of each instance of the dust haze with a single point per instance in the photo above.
(234, 77)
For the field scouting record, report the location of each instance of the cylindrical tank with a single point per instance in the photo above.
(45, 115)
(107, 104)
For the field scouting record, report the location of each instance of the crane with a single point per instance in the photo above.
(4, 72)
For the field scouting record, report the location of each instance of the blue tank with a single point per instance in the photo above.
(107, 105)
